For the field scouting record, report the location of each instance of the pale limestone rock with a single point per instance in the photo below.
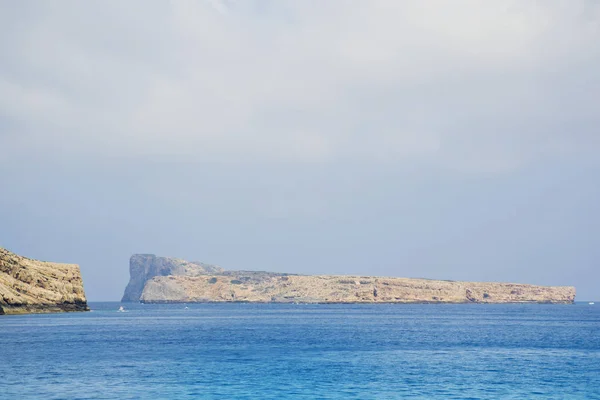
(251, 286)
(344, 289)
(143, 267)
(31, 286)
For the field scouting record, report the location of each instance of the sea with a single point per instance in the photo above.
(300, 351)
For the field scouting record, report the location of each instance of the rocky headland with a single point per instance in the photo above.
(144, 267)
(31, 286)
(170, 280)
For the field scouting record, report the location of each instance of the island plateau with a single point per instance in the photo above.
(31, 286)
(173, 280)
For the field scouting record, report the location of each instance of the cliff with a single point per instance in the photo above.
(143, 267)
(262, 287)
(31, 286)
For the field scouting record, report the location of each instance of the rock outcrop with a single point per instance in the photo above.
(143, 267)
(263, 287)
(31, 286)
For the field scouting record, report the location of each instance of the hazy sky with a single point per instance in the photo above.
(438, 139)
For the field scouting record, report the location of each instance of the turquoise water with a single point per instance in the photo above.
(244, 351)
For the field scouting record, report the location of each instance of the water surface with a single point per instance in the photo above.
(269, 351)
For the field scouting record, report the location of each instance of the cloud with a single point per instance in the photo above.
(466, 84)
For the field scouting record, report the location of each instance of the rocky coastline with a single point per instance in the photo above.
(32, 286)
(172, 280)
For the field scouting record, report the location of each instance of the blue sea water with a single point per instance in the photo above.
(268, 351)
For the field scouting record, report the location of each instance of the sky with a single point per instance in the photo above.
(446, 140)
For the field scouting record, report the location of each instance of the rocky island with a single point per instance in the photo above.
(144, 267)
(172, 280)
(31, 286)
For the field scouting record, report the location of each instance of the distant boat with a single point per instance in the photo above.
(591, 303)
(186, 308)
(121, 309)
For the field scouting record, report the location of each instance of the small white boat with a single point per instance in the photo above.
(591, 303)
(186, 308)
(121, 309)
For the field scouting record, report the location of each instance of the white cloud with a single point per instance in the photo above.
(469, 84)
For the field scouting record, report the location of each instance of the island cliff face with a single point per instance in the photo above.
(143, 267)
(263, 287)
(31, 286)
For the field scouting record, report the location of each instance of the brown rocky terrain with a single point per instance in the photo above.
(143, 267)
(31, 286)
(262, 287)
